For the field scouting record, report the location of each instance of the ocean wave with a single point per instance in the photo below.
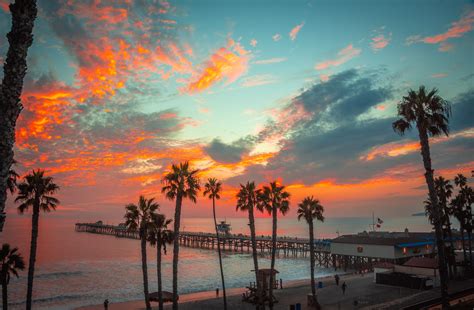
(52, 299)
(58, 274)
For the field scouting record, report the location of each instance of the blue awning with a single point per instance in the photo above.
(414, 244)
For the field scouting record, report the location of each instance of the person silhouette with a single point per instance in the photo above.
(344, 286)
(106, 304)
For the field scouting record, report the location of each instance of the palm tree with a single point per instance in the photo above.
(274, 198)
(311, 209)
(11, 263)
(430, 113)
(466, 198)
(35, 191)
(212, 190)
(12, 179)
(139, 218)
(247, 200)
(179, 183)
(159, 236)
(20, 39)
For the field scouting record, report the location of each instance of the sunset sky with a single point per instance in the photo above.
(304, 92)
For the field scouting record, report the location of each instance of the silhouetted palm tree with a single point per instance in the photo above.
(179, 183)
(274, 198)
(247, 201)
(430, 113)
(12, 179)
(311, 209)
(139, 218)
(465, 198)
(11, 262)
(35, 191)
(159, 236)
(212, 189)
(20, 39)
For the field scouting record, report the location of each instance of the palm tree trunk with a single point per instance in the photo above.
(425, 153)
(4, 296)
(274, 243)
(254, 251)
(145, 270)
(463, 243)
(158, 270)
(470, 248)
(20, 39)
(31, 266)
(219, 251)
(177, 221)
(453, 253)
(311, 253)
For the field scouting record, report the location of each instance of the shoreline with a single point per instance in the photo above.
(211, 295)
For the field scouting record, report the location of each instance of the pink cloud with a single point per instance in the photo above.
(258, 80)
(457, 29)
(253, 42)
(276, 37)
(445, 47)
(439, 75)
(343, 56)
(4, 5)
(380, 42)
(294, 32)
(227, 63)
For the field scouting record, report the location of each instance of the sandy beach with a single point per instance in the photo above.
(359, 287)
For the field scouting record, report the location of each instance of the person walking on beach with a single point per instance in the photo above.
(106, 304)
(336, 277)
(217, 292)
(344, 286)
(281, 284)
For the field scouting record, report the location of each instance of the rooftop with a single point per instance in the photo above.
(422, 262)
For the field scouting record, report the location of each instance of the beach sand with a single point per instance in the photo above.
(359, 287)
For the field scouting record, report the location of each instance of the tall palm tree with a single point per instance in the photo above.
(179, 183)
(11, 262)
(212, 189)
(139, 218)
(159, 236)
(20, 39)
(466, 198)
(430, 113)
(274, 199)
(247, 201)
(35, 191)
(311, 209)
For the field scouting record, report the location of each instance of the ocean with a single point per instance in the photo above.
(76, 269)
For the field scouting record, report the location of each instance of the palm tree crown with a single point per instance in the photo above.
(12, 178)
(247, 197)
(212, 189)
(160, 227)
(429, 111)
(274, 196)
(181, 180)
(11, 262)
(139, 217)
(310, 209)
(37, 187)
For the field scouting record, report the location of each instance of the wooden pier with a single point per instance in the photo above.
(286, 246)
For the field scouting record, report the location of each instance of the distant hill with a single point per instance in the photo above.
(418, 214)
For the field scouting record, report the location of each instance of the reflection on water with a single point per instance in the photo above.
(75, 269)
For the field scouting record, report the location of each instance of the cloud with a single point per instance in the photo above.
(380, 42)
(294, 32)
(457, 30)
(253, 42)
(227, 63)
(227, 153)
(270, 61)
(439, 75)
(276, 37)
(343, 56)
(258, 80)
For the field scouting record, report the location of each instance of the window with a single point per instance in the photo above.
(404, 251)
(360, 249)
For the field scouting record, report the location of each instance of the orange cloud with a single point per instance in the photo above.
(227, 63)
(4, 5)
(343, 56)
(395, 149)
(379, 42)
(294, 32)
(439, 75)
(457, 29)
